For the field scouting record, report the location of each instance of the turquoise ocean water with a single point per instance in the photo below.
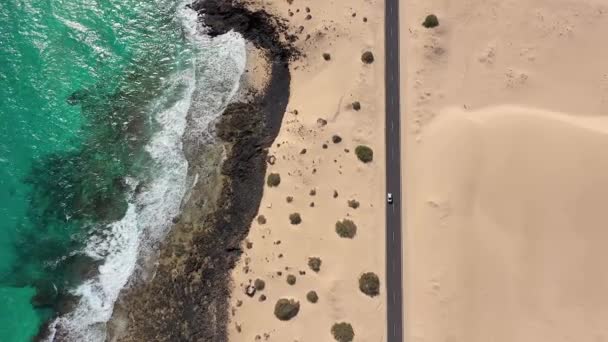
(93, 103)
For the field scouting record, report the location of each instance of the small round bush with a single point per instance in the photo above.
(353, 204)
(364, 153)
(367, 57)
(343, 332)
(274, 179)
(314, 263)
(430, 21)
(336, 139)
(312, 296)
(286, 309)
(369, 283)
(259, 284)
(346, 228)
(356, 105)
(295, 218)
(262, 219)
(326, 56)
(291, 279)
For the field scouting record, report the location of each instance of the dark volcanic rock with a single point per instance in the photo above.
(188, 297)
(250, 290)
(259, 27)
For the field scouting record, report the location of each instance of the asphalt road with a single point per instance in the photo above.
(394, 282)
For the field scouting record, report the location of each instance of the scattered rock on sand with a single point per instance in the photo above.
(356, 105)
(312, 192)
(367, 57)
(369, 283)
(343, 332)
(303, 151)
(326, 56)
(308, 17)
(250, 290)
(324, 146)
(286, 309)
(336, 139)
(314, 263)
(335, 194)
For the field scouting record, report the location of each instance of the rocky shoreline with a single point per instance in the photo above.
(186, 297)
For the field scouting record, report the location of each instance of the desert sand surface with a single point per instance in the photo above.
(506, 173)
(314, 154)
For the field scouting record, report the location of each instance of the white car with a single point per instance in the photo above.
(389, 198)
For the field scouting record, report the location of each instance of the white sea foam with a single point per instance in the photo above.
(209, 84)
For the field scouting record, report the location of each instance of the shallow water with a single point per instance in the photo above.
(93, 104)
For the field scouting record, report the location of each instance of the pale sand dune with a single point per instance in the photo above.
(322, 89)
(506, 170)
(513, 201)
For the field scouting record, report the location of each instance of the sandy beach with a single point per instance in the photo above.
(504, 136)
(314, 154)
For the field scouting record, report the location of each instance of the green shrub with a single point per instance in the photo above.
(314, 263)
(431, 21)
(261, 219)
(295, 218)
(274, 179)
(364, 153)
(346, 228)
(312, 297)
(259, 284)
(343, 332)
(367, 57)
(286, 309)
(369, 283)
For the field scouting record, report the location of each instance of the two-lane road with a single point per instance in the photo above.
(394, 283)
